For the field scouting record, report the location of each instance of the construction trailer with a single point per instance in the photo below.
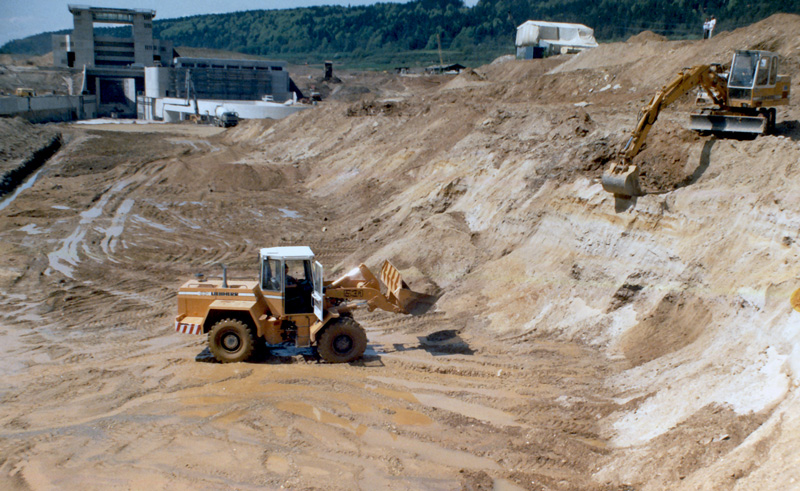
(538, 39)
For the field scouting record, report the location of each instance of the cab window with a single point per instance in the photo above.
(296, 272)
(743, 70)
(763, 72)
(271, 275)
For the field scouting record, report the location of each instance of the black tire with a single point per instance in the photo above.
(230, 341)
(342, 341)
(772, 117)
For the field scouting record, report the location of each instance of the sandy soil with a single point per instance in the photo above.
(577, 343)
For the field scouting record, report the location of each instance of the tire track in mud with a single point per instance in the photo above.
(558, 422)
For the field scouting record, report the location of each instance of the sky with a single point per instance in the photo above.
(22, 18)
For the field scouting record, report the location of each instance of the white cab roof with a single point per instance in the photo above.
(294, 252)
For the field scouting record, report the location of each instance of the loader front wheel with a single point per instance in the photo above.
(343, 341)
(230, 341)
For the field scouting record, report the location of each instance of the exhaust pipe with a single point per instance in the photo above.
(224, 276)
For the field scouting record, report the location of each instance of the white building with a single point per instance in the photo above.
(537, 39)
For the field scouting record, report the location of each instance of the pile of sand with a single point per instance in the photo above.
(646, 36)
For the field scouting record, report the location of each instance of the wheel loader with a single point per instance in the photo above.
(290, 306)
(742, 101)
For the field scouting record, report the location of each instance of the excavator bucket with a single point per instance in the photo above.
(399, 294)
(727, 123)
(622, 180)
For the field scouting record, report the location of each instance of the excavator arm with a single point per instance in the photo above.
(622, 177)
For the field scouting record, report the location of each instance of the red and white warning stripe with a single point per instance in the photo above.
(188, 328)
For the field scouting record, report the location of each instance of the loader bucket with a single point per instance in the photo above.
(795, 300)
(721, 123)
(400, 295)
(622, 180)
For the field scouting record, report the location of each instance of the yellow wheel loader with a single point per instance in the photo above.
(290, 306)
(740, 102)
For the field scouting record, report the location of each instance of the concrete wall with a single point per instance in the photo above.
(49, 108)
(83, 38)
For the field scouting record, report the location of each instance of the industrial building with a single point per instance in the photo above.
(537, 39)
(254, 89)
(143, 77)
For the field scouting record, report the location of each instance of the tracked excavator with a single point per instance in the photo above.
(291, 308)
(742, 101)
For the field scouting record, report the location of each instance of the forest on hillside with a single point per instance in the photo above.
(410, 33)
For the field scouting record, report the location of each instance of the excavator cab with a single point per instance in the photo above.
(751, 70)
(754, 88)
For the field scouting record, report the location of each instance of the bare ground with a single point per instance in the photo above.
(577, 344)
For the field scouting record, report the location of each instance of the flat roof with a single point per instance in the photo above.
(109, 10)
(228, 61)
(562, 25)
(293, 252)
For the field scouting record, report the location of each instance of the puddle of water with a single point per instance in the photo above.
(25, 185)
(60, 207)
(68, 252)
(471, 410)
(395, 394)
(505, 485)
(109, 242)
(149, 223)
(410, 418)
(289, 213)
(32, 229)
(356, 404)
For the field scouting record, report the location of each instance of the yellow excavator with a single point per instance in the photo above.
(740, 102)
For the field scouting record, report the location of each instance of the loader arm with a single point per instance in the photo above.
(622, 177)
(360, 288)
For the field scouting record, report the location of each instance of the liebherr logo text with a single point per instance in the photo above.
(219, 294)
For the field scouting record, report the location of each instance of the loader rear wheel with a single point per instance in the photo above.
(343, 341)
(230, 341)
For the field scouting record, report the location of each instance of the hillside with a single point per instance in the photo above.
(385, 35)
(575, 344)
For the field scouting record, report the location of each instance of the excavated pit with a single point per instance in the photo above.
(572, 346)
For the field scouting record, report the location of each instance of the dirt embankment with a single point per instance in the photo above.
(23, 149)
(574, 345)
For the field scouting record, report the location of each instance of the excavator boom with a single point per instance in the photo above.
(622, 178)
(741, 103)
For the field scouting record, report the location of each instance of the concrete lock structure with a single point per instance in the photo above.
(143, 77)
(84, 48)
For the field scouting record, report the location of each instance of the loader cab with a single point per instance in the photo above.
(750, 71)
(287, 280)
